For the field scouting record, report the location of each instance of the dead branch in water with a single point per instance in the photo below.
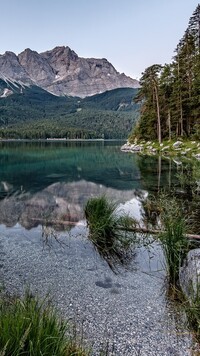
(145, 230)
(137, 229)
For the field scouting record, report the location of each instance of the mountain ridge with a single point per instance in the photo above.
(62, 72)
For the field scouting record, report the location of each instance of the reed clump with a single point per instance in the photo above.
(30, 327)
(105, 232)
(175, 243)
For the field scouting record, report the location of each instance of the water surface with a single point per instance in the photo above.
(54, 180)
(42, 186)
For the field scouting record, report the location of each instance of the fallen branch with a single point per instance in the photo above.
(145, 230)
(139, 229)
(57, 222)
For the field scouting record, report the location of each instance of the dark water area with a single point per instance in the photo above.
(43, 185)
(34, 166)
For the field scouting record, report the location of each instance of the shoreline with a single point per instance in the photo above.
(62, 140)
(180, 148)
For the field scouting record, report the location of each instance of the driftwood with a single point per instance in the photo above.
(145, 230)
(138, 229)
(56, 222)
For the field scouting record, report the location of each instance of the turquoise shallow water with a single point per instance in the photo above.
(32, 166)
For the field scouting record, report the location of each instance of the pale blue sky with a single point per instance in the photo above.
(131, 34)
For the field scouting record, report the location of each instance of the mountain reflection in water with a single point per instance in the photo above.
(59, 202)
(42, 182)
(48, 183)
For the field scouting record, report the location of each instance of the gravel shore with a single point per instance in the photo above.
(128, 311)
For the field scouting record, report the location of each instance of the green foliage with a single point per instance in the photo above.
(29, 327)
(104, 223)
(189, 178)
(192, 308)
(117, 100)
(33, 113)
(174, 242)
(171, 93)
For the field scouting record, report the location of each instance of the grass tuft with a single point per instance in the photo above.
(192, 308)
(30, 327)
(104, 222)
(175, 244)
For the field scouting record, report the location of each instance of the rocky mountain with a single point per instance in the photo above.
(62, 72)
(10, 68)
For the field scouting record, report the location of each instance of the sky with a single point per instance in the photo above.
(131, 34)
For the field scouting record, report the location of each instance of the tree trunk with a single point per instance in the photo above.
(158, 114)
(181, 117)
(159, 171)
(169, 124)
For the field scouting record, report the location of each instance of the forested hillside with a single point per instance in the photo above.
(170, 94)
(33, 113)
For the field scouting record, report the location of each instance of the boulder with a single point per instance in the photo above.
(126, 147)
(131, 148)
(136, 148)
(189, 274)
(177, 144)
(166, 148)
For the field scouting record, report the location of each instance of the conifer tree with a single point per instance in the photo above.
(170, 95)
(149, 92)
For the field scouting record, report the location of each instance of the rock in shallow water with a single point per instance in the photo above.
(189, 274)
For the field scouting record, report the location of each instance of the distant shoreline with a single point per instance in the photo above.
(60, 140)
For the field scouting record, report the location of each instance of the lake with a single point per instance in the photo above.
(44, 187)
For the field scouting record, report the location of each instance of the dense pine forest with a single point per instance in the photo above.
(33, 113)
(170, 95)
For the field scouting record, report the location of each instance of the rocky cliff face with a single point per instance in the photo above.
(37, 68)
(11, 68)
(63, 72)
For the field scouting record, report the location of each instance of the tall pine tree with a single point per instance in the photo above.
(170, 95)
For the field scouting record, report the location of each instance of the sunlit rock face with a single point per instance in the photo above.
(11, 68)
(37, 68)
(62, 72)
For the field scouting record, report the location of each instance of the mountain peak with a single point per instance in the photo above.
(62, 72)
(10, 68)
(36, 67)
